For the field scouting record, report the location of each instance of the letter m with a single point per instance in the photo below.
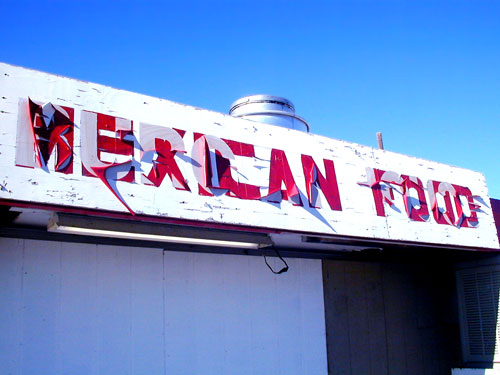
(44, 130)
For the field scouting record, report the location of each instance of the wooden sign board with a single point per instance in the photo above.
(85, 146)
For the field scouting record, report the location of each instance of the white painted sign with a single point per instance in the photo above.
(85, 146)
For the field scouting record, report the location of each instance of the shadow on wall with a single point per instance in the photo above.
(395, 316)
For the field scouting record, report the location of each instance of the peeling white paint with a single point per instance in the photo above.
(357, 218)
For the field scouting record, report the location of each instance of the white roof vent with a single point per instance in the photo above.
(269, 110)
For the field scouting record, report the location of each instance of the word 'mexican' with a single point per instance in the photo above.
(108, 144)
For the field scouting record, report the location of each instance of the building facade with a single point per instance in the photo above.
(145, 236)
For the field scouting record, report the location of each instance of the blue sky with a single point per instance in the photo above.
(424, 73)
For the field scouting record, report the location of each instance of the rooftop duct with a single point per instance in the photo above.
(269, 109)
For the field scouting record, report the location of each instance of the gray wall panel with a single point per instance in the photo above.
(391, 317)
(70, 308)
(11, 305)
(236, 317)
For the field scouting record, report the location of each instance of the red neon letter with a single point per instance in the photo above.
(215, 172)
(378, 197)
(117, 145)
(462, 220)
(314, 179)
(435, 187)
(226, 181)
(280, 172)
(448, 217)
(415, 214)
(165, 143)
(205, 168)
(94, 144)
(51, 127)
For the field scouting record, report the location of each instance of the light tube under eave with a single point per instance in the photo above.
(150, 237)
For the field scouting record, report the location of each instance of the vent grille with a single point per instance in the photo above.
(478, 291)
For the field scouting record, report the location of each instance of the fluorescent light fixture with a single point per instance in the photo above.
(144, 231)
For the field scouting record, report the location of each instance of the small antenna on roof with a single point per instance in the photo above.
(380, 141)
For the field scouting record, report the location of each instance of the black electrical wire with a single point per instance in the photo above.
(283, 270)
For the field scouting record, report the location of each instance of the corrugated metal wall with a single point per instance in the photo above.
(94, 309)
